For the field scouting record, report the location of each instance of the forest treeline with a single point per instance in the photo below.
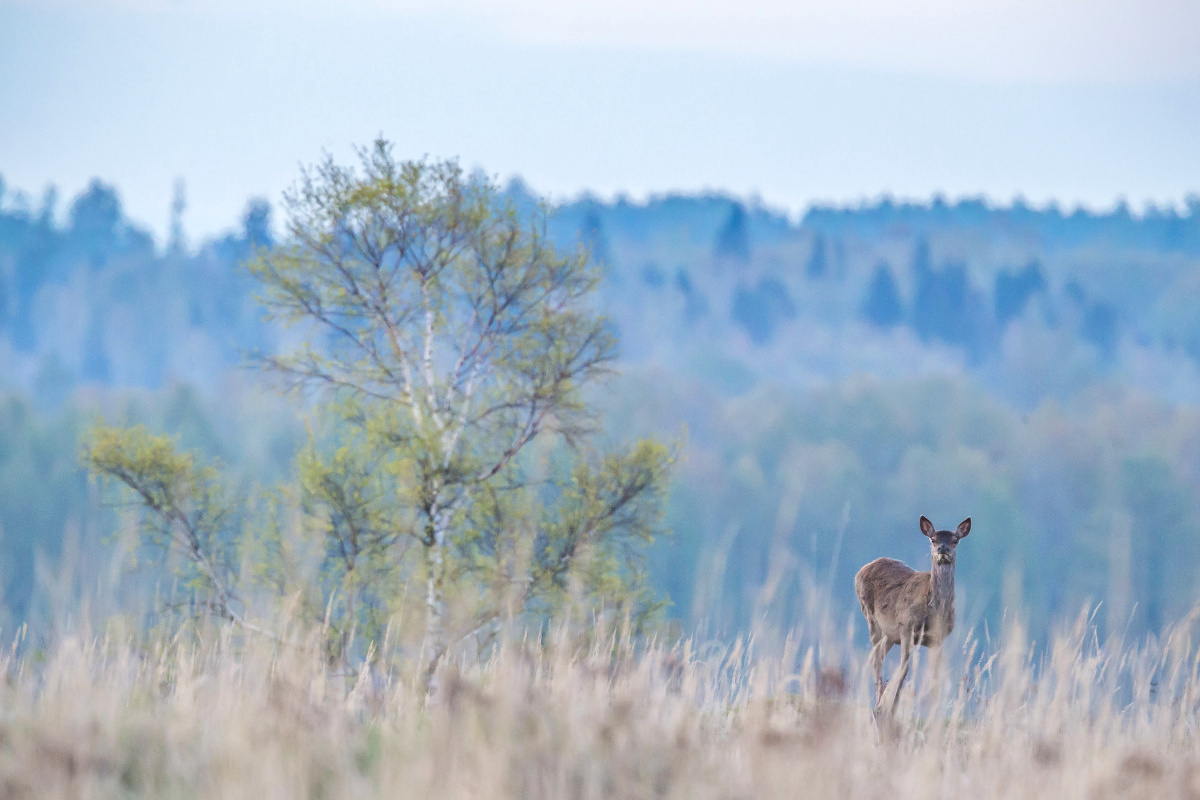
(88, 297)
(838, 375)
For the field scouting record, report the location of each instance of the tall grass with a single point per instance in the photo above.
(204, 713)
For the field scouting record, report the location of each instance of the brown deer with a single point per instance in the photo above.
(906, 607)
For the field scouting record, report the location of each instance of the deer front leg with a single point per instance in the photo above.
(935, 670)
(897, 682)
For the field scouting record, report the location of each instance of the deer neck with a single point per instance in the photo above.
(941, 576)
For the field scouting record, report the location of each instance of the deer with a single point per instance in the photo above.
(908, 608)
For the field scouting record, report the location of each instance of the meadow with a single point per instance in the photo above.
(205, 713)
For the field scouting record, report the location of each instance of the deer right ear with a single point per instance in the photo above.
(927, 527)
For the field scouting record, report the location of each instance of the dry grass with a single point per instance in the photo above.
(221, 718)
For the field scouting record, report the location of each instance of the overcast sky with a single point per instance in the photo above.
(833, 100)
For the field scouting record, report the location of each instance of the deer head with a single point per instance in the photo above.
(942, 543)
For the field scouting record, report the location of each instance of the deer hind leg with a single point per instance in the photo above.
(897, 681)
(879, 650)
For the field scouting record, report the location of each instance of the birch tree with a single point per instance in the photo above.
(445, 337)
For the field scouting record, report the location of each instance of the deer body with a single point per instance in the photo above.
(908, 608)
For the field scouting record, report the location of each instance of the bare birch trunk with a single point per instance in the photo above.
(435, 603)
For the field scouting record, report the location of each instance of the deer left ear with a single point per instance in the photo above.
(964, 528)
(927, 527)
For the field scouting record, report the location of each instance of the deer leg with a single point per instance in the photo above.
(879, 651)
(935, 669)
(897, 681)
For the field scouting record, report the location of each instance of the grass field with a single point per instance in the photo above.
(210, 716)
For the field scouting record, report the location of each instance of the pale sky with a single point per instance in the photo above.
(834, 100)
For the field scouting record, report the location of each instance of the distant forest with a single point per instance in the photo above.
(836, 376)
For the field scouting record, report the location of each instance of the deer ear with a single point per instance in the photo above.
(927, 527)
(964, 528)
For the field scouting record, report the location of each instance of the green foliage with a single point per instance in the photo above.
(446, 335)
(352, 500)
(610, 510)
(577, 540)
(186, 508)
